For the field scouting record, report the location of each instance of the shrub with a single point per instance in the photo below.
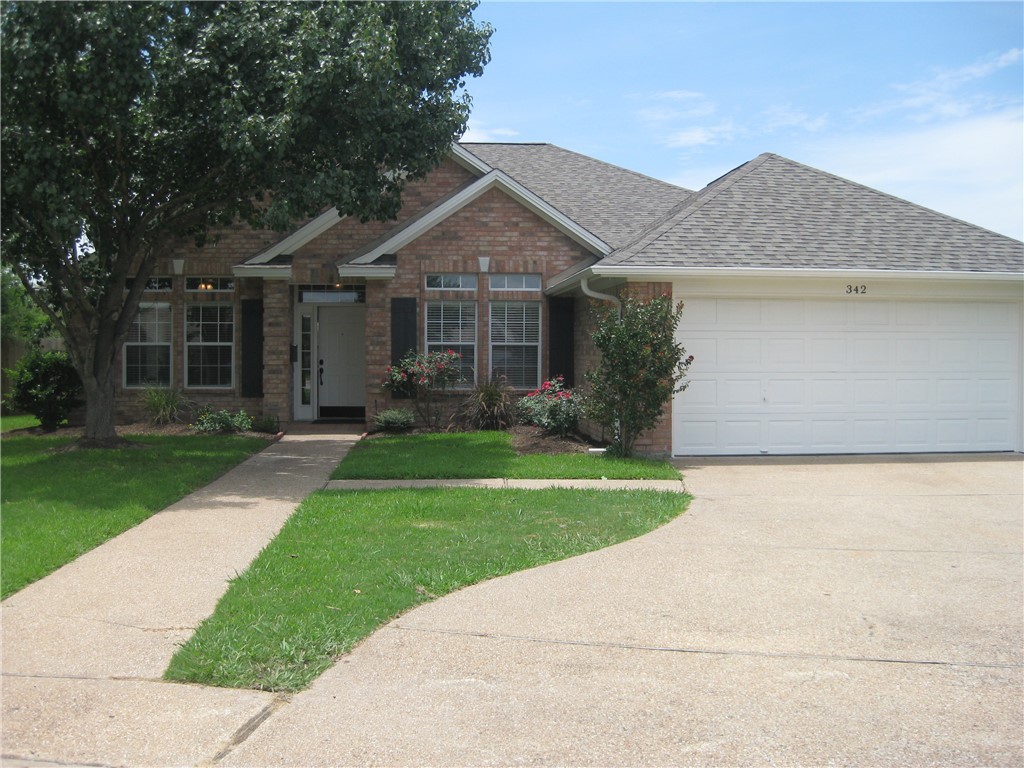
(490, 406)
(271, 425)
(222, 421)
(165, 406)
(424, 378)
(46, 385)
(642, 366)
(553, 408)
(395, 419)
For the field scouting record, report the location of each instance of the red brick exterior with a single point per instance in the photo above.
(493, 227)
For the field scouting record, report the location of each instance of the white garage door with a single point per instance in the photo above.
(788, 376)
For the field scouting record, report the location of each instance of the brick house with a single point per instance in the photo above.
(496, 252)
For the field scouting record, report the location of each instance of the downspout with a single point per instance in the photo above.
(587, 291)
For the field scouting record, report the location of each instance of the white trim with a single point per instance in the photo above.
(512, 188)
(200, 344)
(367, 271)
(268, 272)
(673, 273)
(169, 344)
(468, 160)
(298, 238)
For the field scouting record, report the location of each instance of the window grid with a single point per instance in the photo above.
(208, 284)
(452, 325)
(517, 282)
(515, 343)
(451, 282)
(147, 351)
(209, 345)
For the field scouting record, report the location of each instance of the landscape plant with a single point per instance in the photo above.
(642, 365)
(165, 406)
(46, 385)
(394, 419)
(222, 421)
(553, 407)
(424, 377)
(491, 406)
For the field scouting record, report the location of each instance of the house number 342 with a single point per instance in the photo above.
(858, 289)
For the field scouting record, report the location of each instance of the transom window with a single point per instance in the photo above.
(206, 284)
(515, 343)
(451, 282)
(515, 282)
(160, 283)
(147, 352)
(332, 294)
(209, 345)
(452, 325)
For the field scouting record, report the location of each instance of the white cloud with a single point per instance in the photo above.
(478, 131)
(697, 136)
(972, 169)
(785, 116)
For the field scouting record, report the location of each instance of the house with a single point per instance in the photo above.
(824, 316)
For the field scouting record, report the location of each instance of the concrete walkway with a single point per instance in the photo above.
(804, 611)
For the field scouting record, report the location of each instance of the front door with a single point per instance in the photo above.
(341, 362)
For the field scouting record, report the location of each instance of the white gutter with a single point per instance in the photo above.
(647, 273)
(585, 287)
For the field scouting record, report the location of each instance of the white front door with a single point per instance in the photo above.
(330, 364)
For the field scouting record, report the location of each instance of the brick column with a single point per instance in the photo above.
(277, 367)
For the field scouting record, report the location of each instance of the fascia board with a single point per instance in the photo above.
(653, 272)
(367, 271)
(278, 272)
(457, 202)
(469, 161)
(299, 237)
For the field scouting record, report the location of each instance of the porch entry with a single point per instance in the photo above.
(331, 366)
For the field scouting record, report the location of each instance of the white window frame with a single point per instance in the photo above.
(450, 281)
(156, 328)
(189, 345)
(508, 282)
(211, 284)
(498, 310)
(441, 342)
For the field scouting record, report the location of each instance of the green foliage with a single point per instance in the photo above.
(46, 385)
(127, 126)
(394, 419)
(269, 425)
(553, 407)
(58, 504)
(490, 406)
(21, 319)
(642, 366)
(483, 455)
(424, 377)
(349, 561)
(209, 420)
(165, 406)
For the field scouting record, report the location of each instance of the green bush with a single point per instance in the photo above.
(222, 421)
(165, 406)
(490, 406)
(424, 378)
(553, 408)
(46, 385)
(394, 419)
(268, 424)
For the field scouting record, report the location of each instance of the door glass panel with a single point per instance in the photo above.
(306, 358)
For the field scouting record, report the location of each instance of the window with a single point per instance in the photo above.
(515, 282)
(451, 282)
(209, 345)
(147, 352)
(161, 283)
(332, 294)
(452, 325)
(206, 284)
(515, 343)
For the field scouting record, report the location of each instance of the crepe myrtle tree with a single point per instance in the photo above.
(129, 126)
(641, 367)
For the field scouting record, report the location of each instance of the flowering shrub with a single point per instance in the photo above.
(553, 408)
(422, 377)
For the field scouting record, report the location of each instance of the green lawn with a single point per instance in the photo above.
(349, 561)
(58, 505)
(472, 455)
(7, 423)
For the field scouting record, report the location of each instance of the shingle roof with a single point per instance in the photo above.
(611, 202)
(776, 213)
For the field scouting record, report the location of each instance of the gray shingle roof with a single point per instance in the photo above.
(611, 202)
(776, 213)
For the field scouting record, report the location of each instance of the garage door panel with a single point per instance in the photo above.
(819, 376)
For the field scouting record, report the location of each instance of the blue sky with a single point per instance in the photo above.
(921, 100)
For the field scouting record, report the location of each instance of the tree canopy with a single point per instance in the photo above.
(129, 125)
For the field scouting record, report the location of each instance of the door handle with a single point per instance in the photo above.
(321, 371)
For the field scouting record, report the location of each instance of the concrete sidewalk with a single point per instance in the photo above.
(84, 648)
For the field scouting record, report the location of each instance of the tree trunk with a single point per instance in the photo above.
(99, 414)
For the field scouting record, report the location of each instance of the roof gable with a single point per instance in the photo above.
(774, 213)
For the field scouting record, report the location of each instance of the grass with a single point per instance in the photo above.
(471, 455)
(22, 421)
(349, 561)
(59, 505)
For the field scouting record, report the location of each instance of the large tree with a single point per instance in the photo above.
(127, 126)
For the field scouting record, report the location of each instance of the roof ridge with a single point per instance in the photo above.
(686, 208)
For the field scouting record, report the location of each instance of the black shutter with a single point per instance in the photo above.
(252, 348)
(403, 328)
(561, 328)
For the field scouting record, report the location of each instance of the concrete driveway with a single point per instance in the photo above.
(805, 611)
